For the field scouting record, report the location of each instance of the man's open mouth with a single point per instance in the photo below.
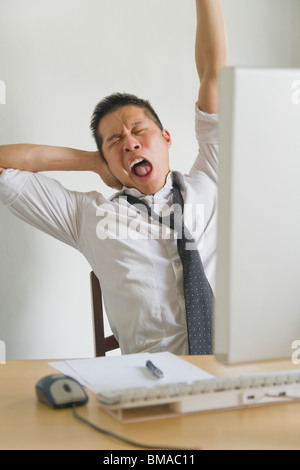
(140, 167)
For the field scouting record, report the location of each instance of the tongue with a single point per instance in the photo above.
(143, 169)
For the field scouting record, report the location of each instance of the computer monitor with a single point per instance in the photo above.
(257, 310)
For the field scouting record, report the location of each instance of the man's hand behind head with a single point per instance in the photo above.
(105, 174)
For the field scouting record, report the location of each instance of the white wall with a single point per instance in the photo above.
(58, 59)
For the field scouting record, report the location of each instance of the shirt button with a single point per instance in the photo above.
(177, 264)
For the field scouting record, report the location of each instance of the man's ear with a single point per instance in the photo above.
(167, 136)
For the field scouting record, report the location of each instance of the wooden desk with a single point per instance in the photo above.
(27, 424)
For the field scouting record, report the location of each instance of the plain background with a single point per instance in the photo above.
(58, 59)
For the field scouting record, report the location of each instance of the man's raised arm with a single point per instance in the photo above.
(210, 52)
(37, 158)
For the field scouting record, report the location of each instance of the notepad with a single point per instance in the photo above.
(103, 374)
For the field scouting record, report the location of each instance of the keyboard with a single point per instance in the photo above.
(207, 395)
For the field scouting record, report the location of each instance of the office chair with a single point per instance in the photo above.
(103, 343)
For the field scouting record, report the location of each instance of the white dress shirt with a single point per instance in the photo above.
(140, 274)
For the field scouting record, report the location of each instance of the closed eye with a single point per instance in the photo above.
(138, 131)
(114, 140)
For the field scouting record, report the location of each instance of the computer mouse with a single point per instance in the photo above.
(60, 391)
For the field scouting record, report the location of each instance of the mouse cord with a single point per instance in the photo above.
(121, 438)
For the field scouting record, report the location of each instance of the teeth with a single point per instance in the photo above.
(134, 162)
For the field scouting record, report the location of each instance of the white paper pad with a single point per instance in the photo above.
(104, 374)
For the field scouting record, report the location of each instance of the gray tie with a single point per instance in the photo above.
(197, 290)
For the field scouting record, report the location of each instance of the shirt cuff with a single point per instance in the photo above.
(207, 126)
(12, 183)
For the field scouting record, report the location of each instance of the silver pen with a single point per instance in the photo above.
(154, 370)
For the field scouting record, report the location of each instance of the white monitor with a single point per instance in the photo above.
(257, 311)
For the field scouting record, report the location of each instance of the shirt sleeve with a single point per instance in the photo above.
(207, 129)
(43, 203)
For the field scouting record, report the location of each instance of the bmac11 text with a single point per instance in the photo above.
(151, 459)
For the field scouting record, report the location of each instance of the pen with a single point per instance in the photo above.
(154, 370)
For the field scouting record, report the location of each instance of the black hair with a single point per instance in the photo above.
(112, 103)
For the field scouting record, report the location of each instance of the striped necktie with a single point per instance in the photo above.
(198, 294)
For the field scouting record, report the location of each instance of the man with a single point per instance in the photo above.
(141, 277)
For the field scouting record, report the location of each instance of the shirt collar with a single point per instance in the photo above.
(173, 177)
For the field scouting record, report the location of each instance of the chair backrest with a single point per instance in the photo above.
(103, 343)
